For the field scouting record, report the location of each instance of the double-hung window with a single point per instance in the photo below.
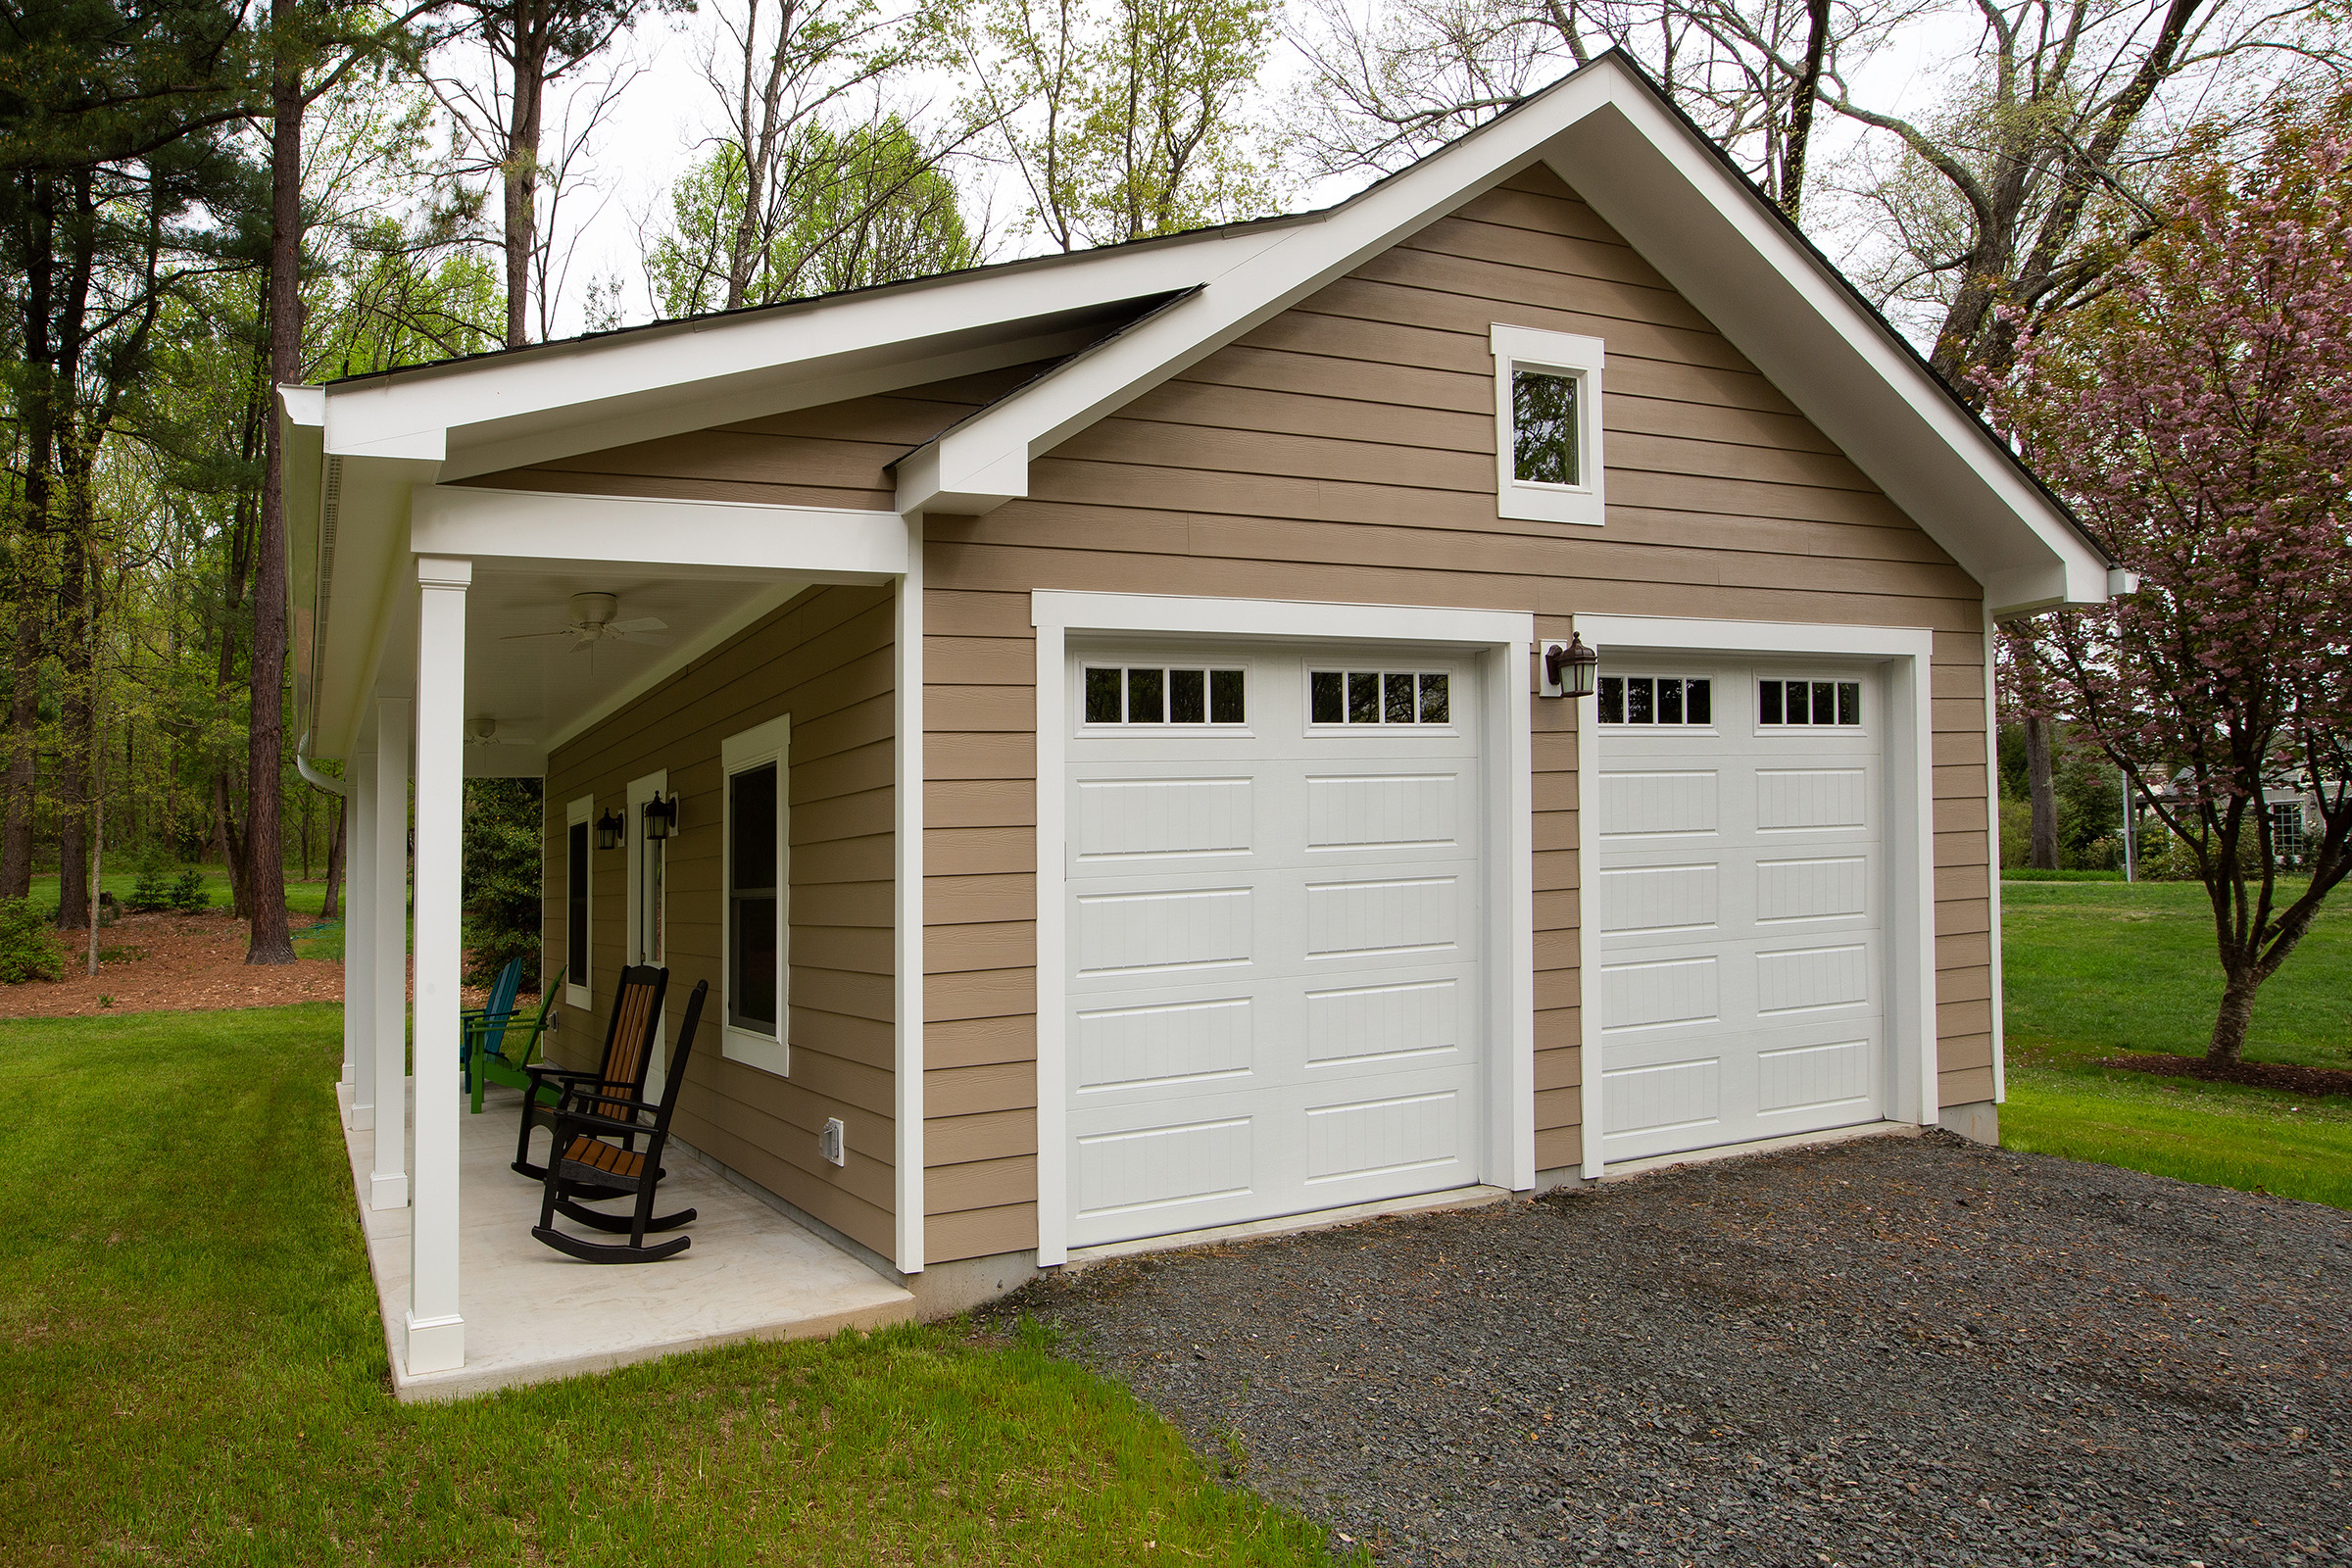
(758, 893)
(578, 875)
(1547, 424)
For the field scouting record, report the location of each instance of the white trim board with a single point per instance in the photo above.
(580, 990)
(1905, 653)
(764, 743)
(1509, 1147)
(907, 948)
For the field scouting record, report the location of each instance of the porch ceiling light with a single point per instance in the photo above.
(661, 816)
(609, 830)
(1572, 667)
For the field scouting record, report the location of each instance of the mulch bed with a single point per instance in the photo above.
(2316, 1082)
(179, 963)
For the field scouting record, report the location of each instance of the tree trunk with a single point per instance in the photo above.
(229, 843)
(73, 737)
(2043, 853)
(520, 176)
(1803, 99)
(265, 854)
(330, 906)
(2235, 1017)
(23, 721)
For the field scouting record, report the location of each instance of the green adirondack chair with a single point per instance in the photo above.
(512, 1049)
(481, 1030)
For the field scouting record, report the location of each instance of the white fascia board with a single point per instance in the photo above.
(806, 543)
(410, 415)
(984, 462)
(1670, 198)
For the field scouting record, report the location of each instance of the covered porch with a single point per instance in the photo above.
(424, 614)
(531, 1313)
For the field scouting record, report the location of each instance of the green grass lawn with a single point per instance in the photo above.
(2098, 968)
(194, 1373)
(303, 898)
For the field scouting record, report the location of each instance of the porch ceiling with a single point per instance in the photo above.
(541, 691)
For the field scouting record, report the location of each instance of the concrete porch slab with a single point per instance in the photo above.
(532, 1314)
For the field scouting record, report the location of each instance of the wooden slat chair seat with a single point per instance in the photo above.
(590, 1162)
(628, 1053)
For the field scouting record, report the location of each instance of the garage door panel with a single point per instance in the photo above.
(1274, 965)
(1151, 933)
(1679, 803)
(1127, 819)
(1739, 897)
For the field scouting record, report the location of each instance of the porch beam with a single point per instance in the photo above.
(358, 917)
(388, 941)
(813, 544)
(436, 1329)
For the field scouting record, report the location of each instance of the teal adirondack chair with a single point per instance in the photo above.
(512, 1048)
(481, 1030)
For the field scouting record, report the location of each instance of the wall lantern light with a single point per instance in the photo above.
(661, 816)
(1569, 667)
(609, 830)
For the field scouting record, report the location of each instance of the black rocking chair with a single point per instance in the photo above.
(628, 1053)
(586, 1163)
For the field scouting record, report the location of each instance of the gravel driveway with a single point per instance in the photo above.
(1900, 1350)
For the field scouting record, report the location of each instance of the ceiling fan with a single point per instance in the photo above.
(482, 730)
(592, 622)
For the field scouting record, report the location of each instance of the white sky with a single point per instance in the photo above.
(653, 131)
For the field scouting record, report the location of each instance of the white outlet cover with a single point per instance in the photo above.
(830, 1142)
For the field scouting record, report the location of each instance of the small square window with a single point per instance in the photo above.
(1145, 691)
(1363, 698)
(1640, 702)
(1398, 705)
(1326, 701)
(1225, 697)
(1670, 702)
(1436, 699)
(1612, 699)
(1102, 696)
(1188, 695)
(1544, 432)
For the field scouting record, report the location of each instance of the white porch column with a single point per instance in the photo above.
(358, 925)
(436, 1331)
(388, 946)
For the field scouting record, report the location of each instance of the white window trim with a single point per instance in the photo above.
(761, 744)
(1531, 348)
(580, 990)
(1903, 654)
(1502, 637)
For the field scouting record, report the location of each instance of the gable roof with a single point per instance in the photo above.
(1122, 319)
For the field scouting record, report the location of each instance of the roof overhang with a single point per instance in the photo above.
(1610, 135)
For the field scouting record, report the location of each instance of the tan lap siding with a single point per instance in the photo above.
(1345, 450)
(826, 659)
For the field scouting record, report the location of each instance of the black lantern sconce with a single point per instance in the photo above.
(660, 817)
(611, 829)
(1569, 667)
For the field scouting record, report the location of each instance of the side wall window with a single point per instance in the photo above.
(580, 871)
(757, 992)
(1548, 466)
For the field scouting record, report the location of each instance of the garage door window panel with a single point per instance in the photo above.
(1809, 703)
(1171, 695)
(1677, 700)
(1346, 699)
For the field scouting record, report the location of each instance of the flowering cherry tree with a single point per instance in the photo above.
(2199, 418)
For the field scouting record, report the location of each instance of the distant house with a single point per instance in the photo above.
(1103, 703)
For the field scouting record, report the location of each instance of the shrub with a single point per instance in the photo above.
(153, 891)
(187, 892)
(27, 951)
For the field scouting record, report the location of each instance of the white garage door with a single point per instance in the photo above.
(1741, 901)
(1275, 933)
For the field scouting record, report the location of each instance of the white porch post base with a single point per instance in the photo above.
(388, 946)
(362, 1118)
(433, 1344)
(436, 1332)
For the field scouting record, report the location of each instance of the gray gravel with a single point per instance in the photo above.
(1902, 1350)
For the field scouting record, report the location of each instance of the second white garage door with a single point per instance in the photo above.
(1741, 901)
(1274, 966)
